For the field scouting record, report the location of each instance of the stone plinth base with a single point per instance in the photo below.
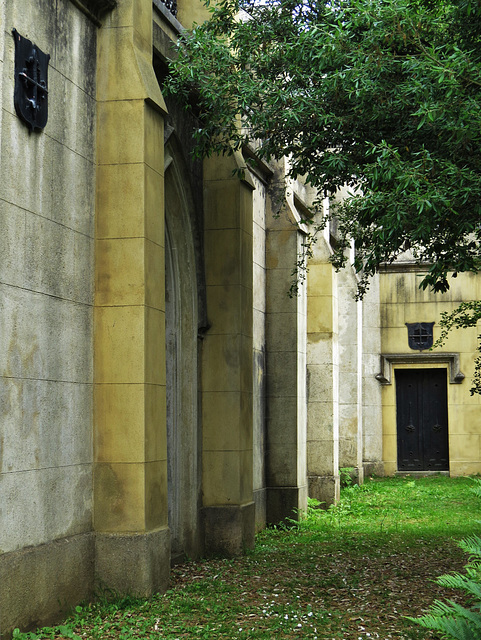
(229, 530)
(260, 501)
(285, 502)
(357, 475)
(373, 468)
(326, 489)
(135, 564)
(39, 585)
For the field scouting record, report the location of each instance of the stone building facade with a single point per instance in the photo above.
(161, 396)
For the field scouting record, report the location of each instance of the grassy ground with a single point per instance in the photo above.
(350, 573)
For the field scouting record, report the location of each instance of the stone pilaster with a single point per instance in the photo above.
(323, 381)
(350, 375)
(286, 371)
(130, 472)
(227, 402)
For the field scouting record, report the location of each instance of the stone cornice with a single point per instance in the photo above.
(456, 376)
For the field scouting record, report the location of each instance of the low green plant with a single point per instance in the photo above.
(346, 476)
(453, 620)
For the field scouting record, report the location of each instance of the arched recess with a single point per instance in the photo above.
(181, 317)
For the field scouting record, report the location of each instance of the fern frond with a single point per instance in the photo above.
(477, 489)
(451, 627)
(472, 546)
(470, 616)
(459, 581)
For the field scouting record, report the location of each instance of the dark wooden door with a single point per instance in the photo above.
(422, 420)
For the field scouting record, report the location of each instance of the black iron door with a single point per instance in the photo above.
(422, 420)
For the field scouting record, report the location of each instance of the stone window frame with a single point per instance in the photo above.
(388, 360)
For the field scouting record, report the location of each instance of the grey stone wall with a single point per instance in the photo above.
(47, 191)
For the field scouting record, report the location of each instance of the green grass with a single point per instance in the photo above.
(351, 572)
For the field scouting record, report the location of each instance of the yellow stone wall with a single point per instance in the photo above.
(402, 301)
(190, 13)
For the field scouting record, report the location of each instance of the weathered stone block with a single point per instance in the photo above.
(321, 383)
(277, 295)
(282, 374)
(348, 455)
(281, 468)
(33, 154)
(12, 244)
(136, 564)
(326, 489)
(260, 499)
(44, 424)
(348, 421)
(73, 199)
(76, 47)
(58, 261)
(285, 502)
(72, 116)
(121, 145)
(44, 504)
(320, 420)
(259, 289)
(320, 280)
(281, 249)
(221, 362)
(120, 200)
(221, 477)
(323, 457)
(120, 423)
(120, 352)
(348, 387)
(282, 416)
(372, 446)
(229, 530)
(40, 584)
(373, 469)
(44, 337)
(154, 282)
(120, 271)
(259, 330)
(281, 329)
(120, 497)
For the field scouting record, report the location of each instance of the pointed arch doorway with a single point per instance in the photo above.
(181, 329)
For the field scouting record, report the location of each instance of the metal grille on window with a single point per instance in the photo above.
(171, 5)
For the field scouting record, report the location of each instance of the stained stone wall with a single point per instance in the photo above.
(402, 301)
(47, 191)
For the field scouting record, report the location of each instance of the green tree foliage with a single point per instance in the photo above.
(380, 95)
(467, 314)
